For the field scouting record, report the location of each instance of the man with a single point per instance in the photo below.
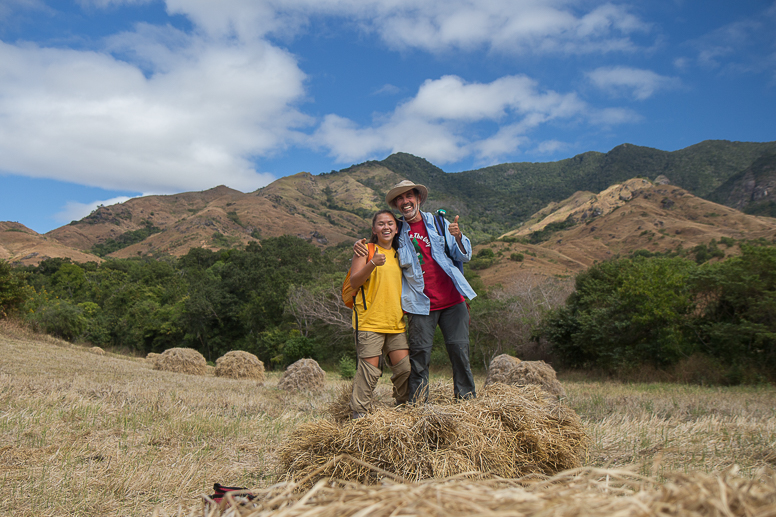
(433, 289)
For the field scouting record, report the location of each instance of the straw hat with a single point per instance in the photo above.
(404, 186)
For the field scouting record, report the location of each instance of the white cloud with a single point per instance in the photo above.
(441, 122)
(75, 211)
(111, 3)
(635, 82)
(613, 116)
(550, 147)
(387, 89)
(511, 26)
(206, 109)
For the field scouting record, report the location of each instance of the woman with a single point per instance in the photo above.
(377, 316)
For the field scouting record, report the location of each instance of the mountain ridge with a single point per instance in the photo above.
(336, 207)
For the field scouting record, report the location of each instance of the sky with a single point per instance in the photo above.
(104, 100)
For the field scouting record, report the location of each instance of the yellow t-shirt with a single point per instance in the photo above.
(382, 292)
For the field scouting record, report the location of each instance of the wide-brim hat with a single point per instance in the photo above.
(404, 186)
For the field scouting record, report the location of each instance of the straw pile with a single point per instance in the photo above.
(238, 364)
(513, 371)
(303, 375)
(509, 431)
(339, 407)
(500, 369)
(181, 360)
(439, 392)
(576, 493)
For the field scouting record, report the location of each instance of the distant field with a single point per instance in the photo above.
(89, 434)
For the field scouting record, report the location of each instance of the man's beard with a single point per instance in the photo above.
(411, 214)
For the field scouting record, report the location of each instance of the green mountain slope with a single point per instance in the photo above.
(497, 198)
(751, 190)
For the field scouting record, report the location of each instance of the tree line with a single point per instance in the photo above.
(281, 301)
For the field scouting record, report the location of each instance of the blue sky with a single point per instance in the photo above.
(102, 100)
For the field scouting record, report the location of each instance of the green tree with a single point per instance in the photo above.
(625, 313)
(737, 306)
(13, 289)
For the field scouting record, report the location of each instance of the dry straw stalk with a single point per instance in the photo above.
(573, 493)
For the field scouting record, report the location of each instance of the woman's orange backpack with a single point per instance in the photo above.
(348, 294)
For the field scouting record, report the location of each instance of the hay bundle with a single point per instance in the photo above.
(303, 375)
(509, 370)
(439, 392)
(240, 365)
(578, 493)
(339, 407)
(500, 369)
(181, 360)
(509, 431)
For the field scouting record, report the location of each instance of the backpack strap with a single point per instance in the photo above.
(371, 250)
(439, 222)
(441, 230)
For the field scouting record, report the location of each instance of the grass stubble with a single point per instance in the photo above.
(88, 434)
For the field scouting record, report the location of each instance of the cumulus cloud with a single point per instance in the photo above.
(635, 82)
(440, 121)
(74, 211)
(197, 119)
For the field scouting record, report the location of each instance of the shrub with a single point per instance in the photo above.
(517, 257)
(347, 367)
(60, 318)
(13, 291)
(299, 347)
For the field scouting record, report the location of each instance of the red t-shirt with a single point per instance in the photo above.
(439, 287)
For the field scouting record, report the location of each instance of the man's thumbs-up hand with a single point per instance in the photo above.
(454, 229)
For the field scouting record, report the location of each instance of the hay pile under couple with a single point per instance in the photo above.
(412, 271)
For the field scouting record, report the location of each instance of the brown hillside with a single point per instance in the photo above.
(324, 209)
(627, 217)
(22, 246)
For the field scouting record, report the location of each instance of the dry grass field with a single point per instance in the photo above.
(89, 434)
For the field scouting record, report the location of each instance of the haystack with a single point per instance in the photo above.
(181, 360)
(238, 364)
(97, 350)
(513, 371)
(303, 375)
(500, 369)
(151, 358)
(509, 431)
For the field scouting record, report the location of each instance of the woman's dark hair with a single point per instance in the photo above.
(395, 242)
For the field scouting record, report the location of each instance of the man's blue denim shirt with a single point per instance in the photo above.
(413, 300)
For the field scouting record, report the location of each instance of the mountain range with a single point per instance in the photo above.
(596, 205)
